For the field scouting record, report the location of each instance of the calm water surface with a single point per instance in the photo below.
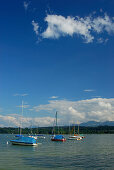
(93, 152)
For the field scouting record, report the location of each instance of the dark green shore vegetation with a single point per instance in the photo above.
(60, 130)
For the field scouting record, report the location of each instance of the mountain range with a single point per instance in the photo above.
(94, 123)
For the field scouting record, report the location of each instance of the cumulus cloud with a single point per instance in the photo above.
(8, 121)
(35, 27)
(85, 27)
(105, 104)
(74, 112)
(21, 121)
(97, 109)
(61, 26)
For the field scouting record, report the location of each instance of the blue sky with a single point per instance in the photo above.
(56, 55)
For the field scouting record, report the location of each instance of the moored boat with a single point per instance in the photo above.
(75, 137)
(25, 141)
(58, 138)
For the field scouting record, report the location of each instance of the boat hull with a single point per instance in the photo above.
(26, 141)
(75, 138)
(23, 144)
(59, 140)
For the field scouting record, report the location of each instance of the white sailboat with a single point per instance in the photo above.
(31, 135)
(75, 136)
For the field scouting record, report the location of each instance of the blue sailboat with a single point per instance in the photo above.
(22, 140)
(26, 141)
(57, 137)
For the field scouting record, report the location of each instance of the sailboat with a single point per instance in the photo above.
(41, 136)
(32, 135)
(75, 136)
(22, 140)
(26, 141)
(57, 137)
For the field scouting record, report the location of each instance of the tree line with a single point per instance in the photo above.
(60, 130)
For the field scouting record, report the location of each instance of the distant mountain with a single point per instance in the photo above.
(94, 123)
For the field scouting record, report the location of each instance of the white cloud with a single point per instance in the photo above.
(89, 90)
(35, 27)
(100, 40)
(105, 104)
(61, 26)
(97, 109)
(24, 106)
(21, 94)
(54, 97)
(96, 96)
(101, 24)
(85, 27)
(17, 121)
(8, 121)
(74, 113)
(26, 4)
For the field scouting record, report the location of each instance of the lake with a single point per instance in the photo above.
(93, 152)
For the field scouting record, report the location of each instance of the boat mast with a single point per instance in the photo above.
(74, 129)
(57, 122)
(78, 127)
(21, 119)
(56, 119)
(69, 127)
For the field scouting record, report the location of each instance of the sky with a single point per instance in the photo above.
(56, 56)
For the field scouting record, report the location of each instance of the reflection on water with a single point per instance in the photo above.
(93, 152)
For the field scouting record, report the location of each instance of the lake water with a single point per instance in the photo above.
(93, 152)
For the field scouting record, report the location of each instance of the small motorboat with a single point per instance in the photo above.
(58, 138)
(26, 141)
